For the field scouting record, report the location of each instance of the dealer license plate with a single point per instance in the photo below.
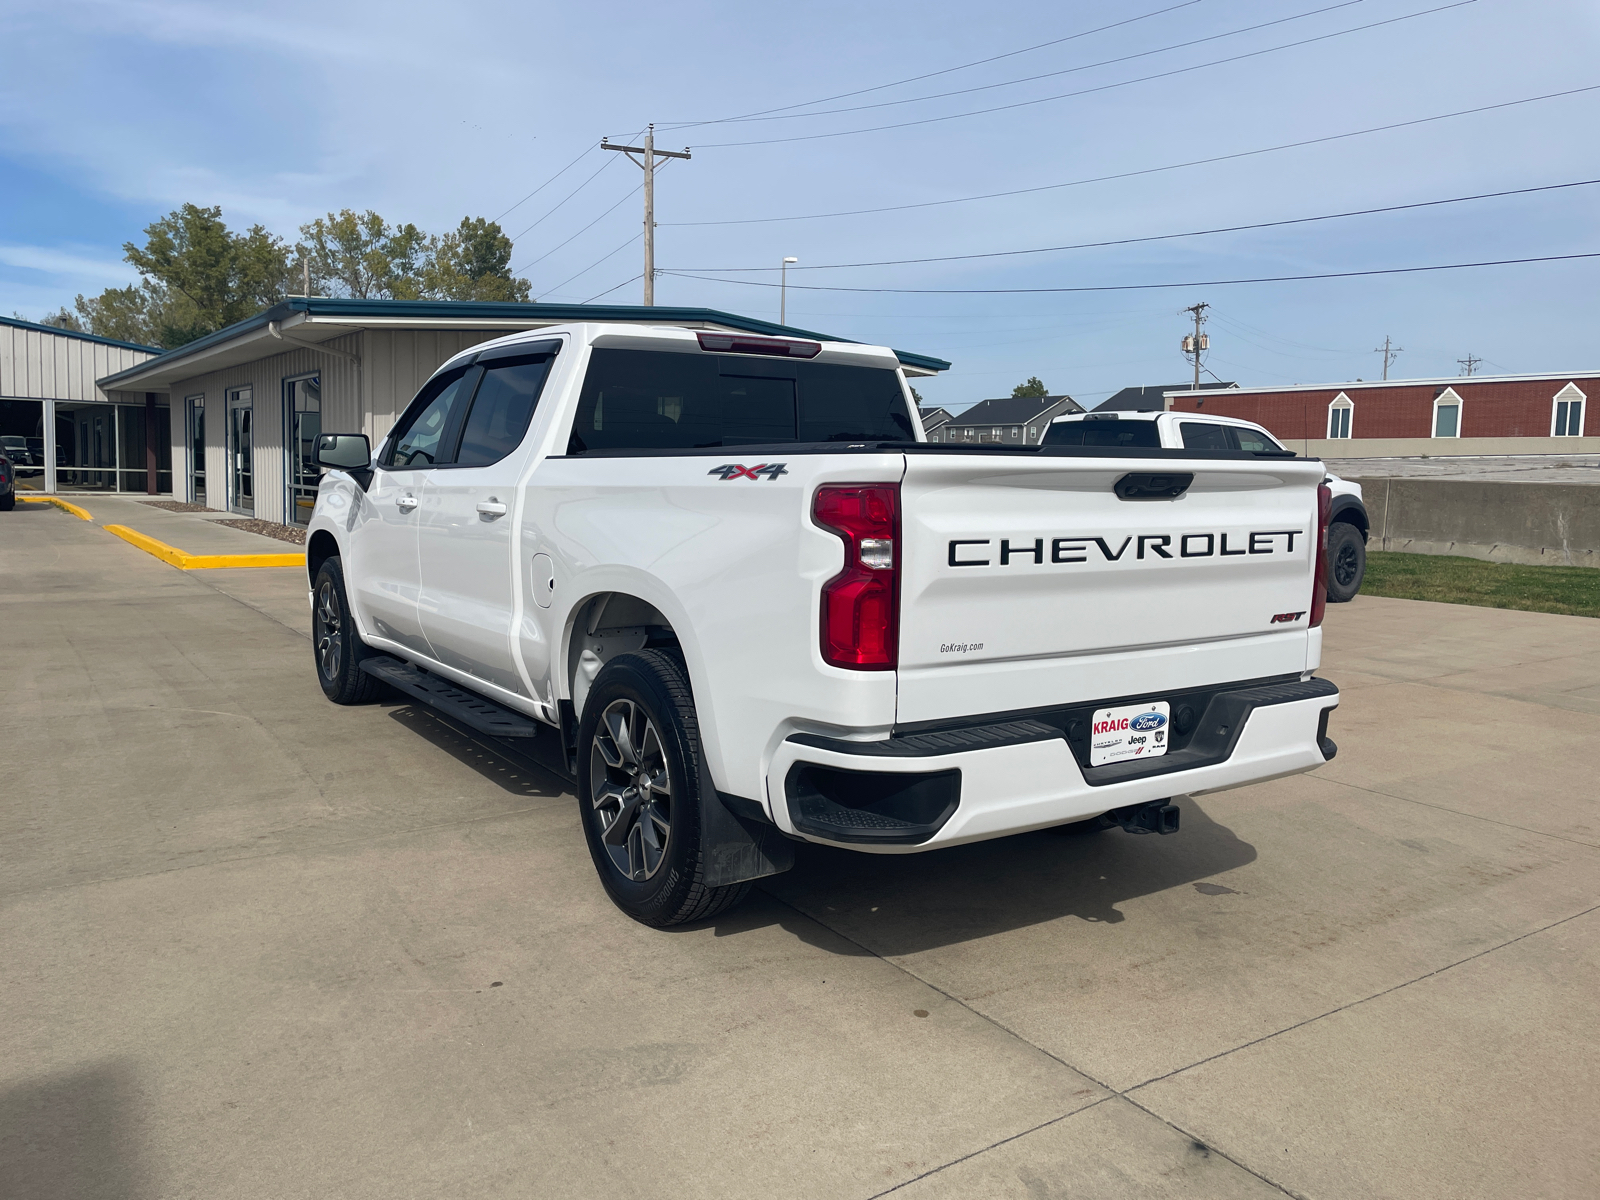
(1133, 731)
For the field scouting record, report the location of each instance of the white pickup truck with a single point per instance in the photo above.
(727, 581)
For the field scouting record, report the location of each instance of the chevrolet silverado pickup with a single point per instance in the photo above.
(728, 583)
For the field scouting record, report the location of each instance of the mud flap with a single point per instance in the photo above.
(739, 845)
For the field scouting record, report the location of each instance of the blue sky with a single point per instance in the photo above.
(115, 113)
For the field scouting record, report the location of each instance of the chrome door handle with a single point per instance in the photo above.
(406, 503)
(492, 508)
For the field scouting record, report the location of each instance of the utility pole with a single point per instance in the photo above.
(1194, 343)
(1390, 353)
(1469, 364)
(783, 293)
(648, 162)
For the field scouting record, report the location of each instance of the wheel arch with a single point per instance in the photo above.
(320, 547)
(1351, 512)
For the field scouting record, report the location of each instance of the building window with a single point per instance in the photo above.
(1033, 432)
(1339, 416)
(1566, 419)
(1447, 414)
(1015, 432)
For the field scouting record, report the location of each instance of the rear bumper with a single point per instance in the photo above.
(942, 789)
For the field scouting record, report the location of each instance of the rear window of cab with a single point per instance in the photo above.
(662, 400)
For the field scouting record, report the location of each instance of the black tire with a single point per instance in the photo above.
(335, 644)
(1347, 561)
(7, 503)
(639, 749)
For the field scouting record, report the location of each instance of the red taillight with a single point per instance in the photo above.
(1319, 584)
(861, 604)
(739, 343)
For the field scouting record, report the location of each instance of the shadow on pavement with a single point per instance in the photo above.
(70, 1137)
(909, 903)
(520, 772)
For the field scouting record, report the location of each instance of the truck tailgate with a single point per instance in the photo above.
(1029, 582)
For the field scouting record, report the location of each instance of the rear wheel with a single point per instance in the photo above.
(639, 775)
(8, 502)
(1347, 561)
(338, 647)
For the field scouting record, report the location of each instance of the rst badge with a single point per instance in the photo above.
(1133, 731)
(739, 471)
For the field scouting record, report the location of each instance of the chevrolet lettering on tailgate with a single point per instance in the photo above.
(975, 552)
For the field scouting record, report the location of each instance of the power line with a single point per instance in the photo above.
(609, 290)
(1105, 87)
(585, 229)
(932, 74)
(597, 262)
(1196, 162)
(545, 184)
(1106, 62)
(1162, 237)
(1141, 287)
(551, 211)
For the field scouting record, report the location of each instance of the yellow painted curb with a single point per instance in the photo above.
(172, 556)
(59, 503)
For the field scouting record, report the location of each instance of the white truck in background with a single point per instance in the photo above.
(1348, 526)
(730, 588)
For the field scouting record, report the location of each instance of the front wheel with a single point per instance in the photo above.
(1347, 561)
(639, 775)
(335, 642)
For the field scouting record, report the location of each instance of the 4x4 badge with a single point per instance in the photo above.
(740, 471)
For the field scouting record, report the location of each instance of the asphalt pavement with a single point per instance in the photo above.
(254, 945)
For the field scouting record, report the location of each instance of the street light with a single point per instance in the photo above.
(783, 293)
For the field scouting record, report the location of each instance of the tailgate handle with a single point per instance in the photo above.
(1142, 485)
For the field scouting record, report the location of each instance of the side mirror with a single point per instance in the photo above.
(344, 451)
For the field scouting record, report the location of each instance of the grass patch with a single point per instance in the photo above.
(1450, 579)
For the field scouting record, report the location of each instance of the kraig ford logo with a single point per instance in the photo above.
(1147, 721)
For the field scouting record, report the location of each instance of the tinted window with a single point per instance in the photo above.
(1252, 439)
(416, 440)
(655, 400)
(1203, 435)
(1102, 433)
(501, 411)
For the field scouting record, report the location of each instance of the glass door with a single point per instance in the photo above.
(241, 453)
(197, 449)
(302, 407)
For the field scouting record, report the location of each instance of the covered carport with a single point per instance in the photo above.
(61, 430)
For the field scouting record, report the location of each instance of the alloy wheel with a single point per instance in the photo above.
(631, 790)
(1345, 565)
(329, 633)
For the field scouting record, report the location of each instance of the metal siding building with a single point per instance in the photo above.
(58, 370)
(247, 401)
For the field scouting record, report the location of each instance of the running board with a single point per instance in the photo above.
(467, 707)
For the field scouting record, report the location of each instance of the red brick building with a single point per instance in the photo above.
(1483, 414)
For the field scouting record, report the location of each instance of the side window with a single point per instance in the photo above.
(1203, 435)
(1253, 439)
(418, 441)
(501, 410)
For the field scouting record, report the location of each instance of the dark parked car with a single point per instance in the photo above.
(8, 484)
(15, 447)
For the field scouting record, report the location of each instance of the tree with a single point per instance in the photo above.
(362, 256)
(473, 263)
(917, 396)
(206, 277)
(63, 318)
(1033, 388)
(196, 277)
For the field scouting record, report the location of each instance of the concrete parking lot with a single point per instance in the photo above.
(253, 945)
